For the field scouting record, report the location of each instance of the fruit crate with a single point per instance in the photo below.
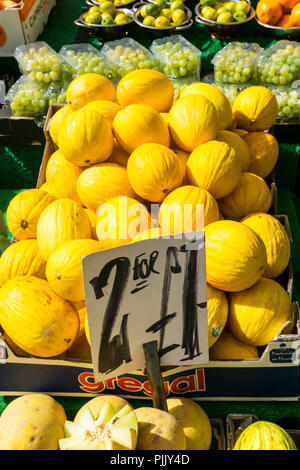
(218, 434)
(15, 130)
(236, 423)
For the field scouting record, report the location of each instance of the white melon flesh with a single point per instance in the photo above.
(108, 431)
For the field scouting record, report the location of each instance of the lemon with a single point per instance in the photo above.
(143, 11)
(209, 13)
(152, 10)
(167, 13)
(221, 10)
(160, 3)
(242, 6)
(108, 7)
(121, 18)
(162, 22)
(225, 18)
(94, 18)
(178, 16)
(149, 21)
(107, 19)
(230, 6)
(94, 10)
(177, 5)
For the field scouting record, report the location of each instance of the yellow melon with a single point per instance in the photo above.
(240, 147)
(101, 182)
(218, 99)
(257, 314)
(118, 156)
(264, 151)
(37, 319)
(61, 177)
(22, 259)
(146, 86)
(255, 109)
(85, 137)
(89, 87)
(92, 217)
(62, 221)
(235, 255)
(107, 108)
(35, 422)
(192, 121)
(276, 241)
(138, 124)
(215, 167)
(24, 211)
(64, 268)
(119, 220)
(251, 194)
(187, 209)
(154, 170)
(230, 348)
(217, 313)
(57, 120)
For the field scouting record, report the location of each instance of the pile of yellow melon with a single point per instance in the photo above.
(136, 145)
(37, 421)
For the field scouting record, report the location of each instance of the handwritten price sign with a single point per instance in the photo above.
(146, 291)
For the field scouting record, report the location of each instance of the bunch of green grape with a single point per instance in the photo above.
(125, 59)
(40, 64)
(236, 63)
(81, 62)
(279, 64)
(56, 93)
(28, 99)
(288, 100)
(177, 59)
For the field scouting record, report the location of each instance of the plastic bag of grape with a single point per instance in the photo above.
(81, 58)
(178, 57)
(28, 99)
(126, 55)
(279, 64)
(288, 99)
(39, 62)
(237, 63)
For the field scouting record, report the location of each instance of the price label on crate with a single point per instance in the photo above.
(152, 290)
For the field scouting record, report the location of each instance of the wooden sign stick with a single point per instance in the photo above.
(154, 375)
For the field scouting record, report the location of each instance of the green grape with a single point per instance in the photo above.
(236, 63)
(279, 64)
(38, 62)
(27, 98)
(177, 59)
(125, 59)
(288, 100)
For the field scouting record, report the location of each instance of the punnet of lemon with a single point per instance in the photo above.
(137, 143)
(162, 14)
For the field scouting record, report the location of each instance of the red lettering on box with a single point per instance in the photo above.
(130, 384)
(200, 379)
(92, 387)
(188, 383)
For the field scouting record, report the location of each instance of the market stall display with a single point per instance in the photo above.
(117, 120)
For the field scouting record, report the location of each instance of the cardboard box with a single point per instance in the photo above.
(16, 130)
(236, 423)
(23, 24)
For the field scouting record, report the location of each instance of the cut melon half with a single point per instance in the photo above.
(110, 430)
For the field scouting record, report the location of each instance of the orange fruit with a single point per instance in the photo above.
(284, 22)
(295, 15)
(269, 11)
(288, 4)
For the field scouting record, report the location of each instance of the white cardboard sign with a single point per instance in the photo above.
(145, 291)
